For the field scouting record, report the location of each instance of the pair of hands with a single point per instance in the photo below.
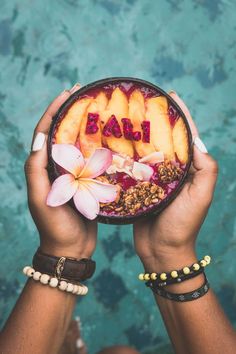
(158, 241)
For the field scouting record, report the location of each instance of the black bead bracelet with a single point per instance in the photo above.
(189, 296)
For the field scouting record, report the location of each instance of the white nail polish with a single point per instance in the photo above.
(76, 87)
(79, 343)
(64, 91)
(38, 142)
(200, 145)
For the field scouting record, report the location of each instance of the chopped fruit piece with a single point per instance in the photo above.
(112, 128)
(180, 139)
(161, 132)
(90, 142)
(120, 164)
(173, 115)
(118, 105)
(69, 128)
(137, 116)
(137, 136)
(146, 131)
(119, 161)
(154, 157)
(142, 172)
(92, 127)
(127, 128)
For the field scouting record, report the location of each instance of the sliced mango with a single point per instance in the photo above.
(69, 128)
(180, 139)
(90, 142)
(161, 132)
(137, 115)
(118, 105)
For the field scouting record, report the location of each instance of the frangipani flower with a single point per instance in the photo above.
(79, 182)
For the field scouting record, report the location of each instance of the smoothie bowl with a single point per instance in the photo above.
(119, 149)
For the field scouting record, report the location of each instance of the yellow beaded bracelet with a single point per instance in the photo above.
(176, 273)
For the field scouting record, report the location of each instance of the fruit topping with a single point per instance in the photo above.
(69, 127)
(153, 158)
(137, 116)
(180, 139)
(173, 115)
(118, 106)
(142, 171)
(112, 128)
(127, 128)
(136, 136)
(88, 143)
(92, 120)
(161, 132)
(120, 164)
(146, 131)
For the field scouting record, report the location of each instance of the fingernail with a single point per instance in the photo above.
(200, 145)
(64, 91)
(79, 343)
(39, 141)
(75, 87)
(172, 91)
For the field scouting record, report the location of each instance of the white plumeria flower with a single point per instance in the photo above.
(79, 182)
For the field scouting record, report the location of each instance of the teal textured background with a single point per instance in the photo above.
(47, 46)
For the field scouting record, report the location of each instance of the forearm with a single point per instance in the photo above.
(38, 322)
(195, 327)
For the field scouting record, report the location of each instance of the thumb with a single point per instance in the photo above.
(38, 183)
(206, 170)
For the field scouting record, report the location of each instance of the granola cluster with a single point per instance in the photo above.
(168, 172)
(134, 198)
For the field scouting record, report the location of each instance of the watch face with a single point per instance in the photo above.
(145, 140)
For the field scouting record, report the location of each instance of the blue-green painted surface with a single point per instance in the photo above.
(186, 45)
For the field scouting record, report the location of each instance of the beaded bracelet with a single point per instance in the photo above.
(176, 274)
(189, 296)
(180, 279)
(76, 289)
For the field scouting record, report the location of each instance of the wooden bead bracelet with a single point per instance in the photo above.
(178, 275)
(76, 289)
